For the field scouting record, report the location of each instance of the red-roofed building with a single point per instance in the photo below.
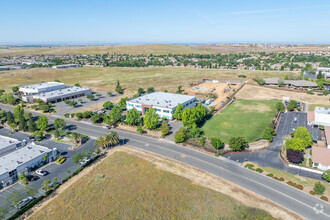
(321, 158)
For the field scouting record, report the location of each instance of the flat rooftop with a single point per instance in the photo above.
(42, 85)
(292, 82)
(18, 157)
(60, 92)
(162, 99)
(322, 110)
(7, 141)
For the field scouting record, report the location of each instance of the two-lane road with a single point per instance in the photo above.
(291, 198)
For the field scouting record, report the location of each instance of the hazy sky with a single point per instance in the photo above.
(157, 21)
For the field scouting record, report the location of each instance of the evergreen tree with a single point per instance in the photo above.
(31, 124)
(118, 88)
(10, 118)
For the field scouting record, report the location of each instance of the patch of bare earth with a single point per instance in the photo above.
(196, 176)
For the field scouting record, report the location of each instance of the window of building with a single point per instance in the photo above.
(166, 111)
(138, 106)
(130, 105)
(158, 110)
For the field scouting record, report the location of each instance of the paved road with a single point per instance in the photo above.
(270, 157)
(291, 198)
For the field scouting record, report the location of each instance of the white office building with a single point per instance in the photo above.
(320, 116)
(8, 144)
(65, 66)
(164, 103)
(41, 87)
(22, 160)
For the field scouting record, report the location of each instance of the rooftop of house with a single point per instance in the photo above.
(7, 141)
(18, 157)
(60, 92)
(162, 99)
(322, 110)
(321, 155)
(311, 116)
(291, 82)
(42, 85)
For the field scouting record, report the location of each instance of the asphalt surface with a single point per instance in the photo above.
(270, 157)
(289, 197)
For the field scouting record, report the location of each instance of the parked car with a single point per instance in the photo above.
(84, 161)
(24, 202)
(105, 127)
(41, 172)
(101, 111)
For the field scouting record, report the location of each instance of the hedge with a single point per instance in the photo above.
(27, 207)
(270, 175)
(298, 186)
(259, 170)
(278, 178)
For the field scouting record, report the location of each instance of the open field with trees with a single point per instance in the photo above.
(243, 118)
(104, 78)
(125, 186)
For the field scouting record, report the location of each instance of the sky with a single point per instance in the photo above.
(158, 21)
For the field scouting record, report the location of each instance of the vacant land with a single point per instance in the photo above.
(242, 118)
(253, 92)
(157, 49)
(312, 107)
(104, 78)
(133, 188)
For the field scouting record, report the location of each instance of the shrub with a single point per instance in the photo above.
(310, 161)
(60, 160)
(249, 166)
(326, 175)
(310, 93)
(259, 170)
(202, 141)
(278, 178)
(181, 135)
(140, 130)
(270, 175)
(324, 198)
(298, 186)
(294, 156)
(319, 188)
(312, 192)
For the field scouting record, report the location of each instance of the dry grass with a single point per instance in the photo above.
(104, 79)
(135, 188)
(157, 49)
(253, 92)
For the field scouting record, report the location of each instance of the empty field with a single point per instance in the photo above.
(133, 188)
(242, 118)
(104, 78)
(253, 92)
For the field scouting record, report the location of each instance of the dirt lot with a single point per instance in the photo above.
(221, 89)
(253, 92)
(61, 204)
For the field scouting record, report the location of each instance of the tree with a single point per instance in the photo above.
(237, 143)
(30, 190)
(280, 106)
(77, 158)
(31, 124)
(150, 119)
(178, 112)
(13, 126)
(164, 128)
(268, 134)
(45, 185)
(140, 91)
(217, 143)
(189, 117)
(181, 135)
(45, 158)
(76, 137)
(110, 93)
(38, 135)
(294, 156)
(22, 126)
(133, 117)
(10, 118)
(97, 118)
(195, 131)
(90, 96)
(14, 198)
(114, 115)
(18, 112)
(87, 114)
(10, 99)
(319, 188)
(3, 212)
(108, 105)
(101, 142)
(54, 180)
(59, 123)
(118, 88)
(122, 103)
(319, 75)
(150, 89)
(202, 141)
(23, 178)
(326, 175)
(179, 91)
(303, 134)
(42, 123)
(112, 138)
(77, 84)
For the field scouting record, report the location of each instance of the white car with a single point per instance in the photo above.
(24, 202)
(84, 161)
(41, 172)
(105, 127)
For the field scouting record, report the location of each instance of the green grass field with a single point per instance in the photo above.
(104, 78)
(243, 118)
(133, 188)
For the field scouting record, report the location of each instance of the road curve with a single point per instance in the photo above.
(289, 197)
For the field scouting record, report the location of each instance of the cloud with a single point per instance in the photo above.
(272, 10)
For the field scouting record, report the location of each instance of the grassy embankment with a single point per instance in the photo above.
(133, 188)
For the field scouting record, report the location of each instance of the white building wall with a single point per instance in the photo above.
(322, 119)
(321, 167)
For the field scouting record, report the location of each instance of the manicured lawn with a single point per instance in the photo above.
(242, 118)
(133, 188)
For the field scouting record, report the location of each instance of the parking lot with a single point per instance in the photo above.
(63, 109)
(54, 169)
(270, 156)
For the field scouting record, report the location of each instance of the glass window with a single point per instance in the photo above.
(130, 105)
(158, 110)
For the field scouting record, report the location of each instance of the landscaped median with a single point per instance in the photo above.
(314, 187)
